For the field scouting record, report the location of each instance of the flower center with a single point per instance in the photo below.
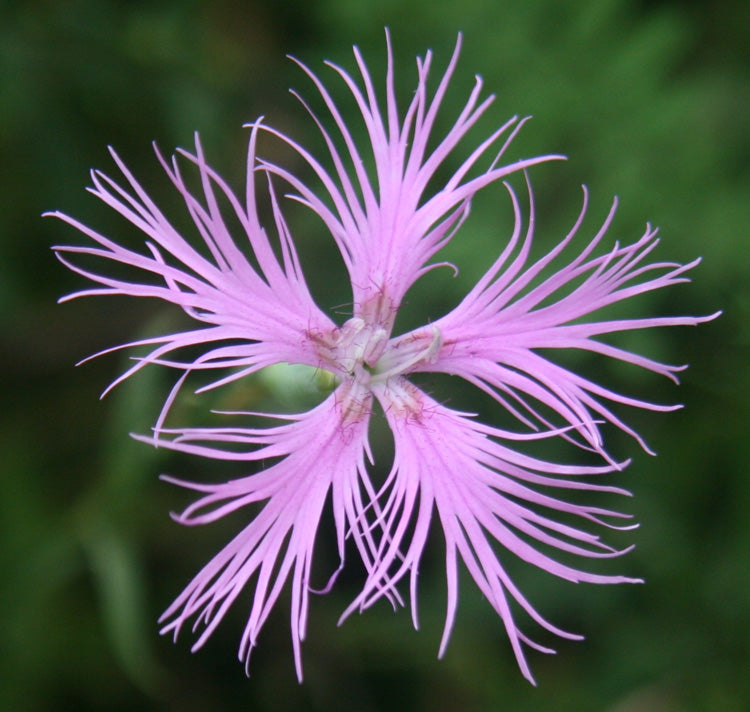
(363, 352)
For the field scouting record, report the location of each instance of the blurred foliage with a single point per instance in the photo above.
(650, 101)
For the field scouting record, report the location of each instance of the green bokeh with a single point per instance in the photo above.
(650, 100)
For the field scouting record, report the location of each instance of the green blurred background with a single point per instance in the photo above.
(649, 99)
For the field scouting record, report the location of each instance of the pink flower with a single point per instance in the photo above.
(248, 314)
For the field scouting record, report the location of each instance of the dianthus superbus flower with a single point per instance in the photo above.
(489, 496)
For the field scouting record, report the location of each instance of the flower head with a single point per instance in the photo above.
(250, 313)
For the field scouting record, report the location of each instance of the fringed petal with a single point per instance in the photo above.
(480, 489)
(322, 453)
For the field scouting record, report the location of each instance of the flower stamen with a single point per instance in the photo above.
(398, 361)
